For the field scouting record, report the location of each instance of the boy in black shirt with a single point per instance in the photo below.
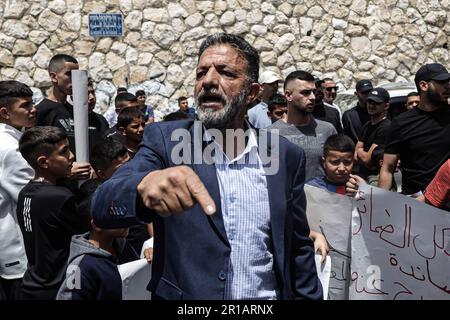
(48, 214)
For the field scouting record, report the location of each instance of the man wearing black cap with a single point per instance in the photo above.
(374, 132)
(420, 138)
(356, 117)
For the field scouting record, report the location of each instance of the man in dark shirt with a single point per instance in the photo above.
(184, 107)
(420, 138)
(60, 71)
(374, 132)
(354, 119)
(324, 112)
(63, 117)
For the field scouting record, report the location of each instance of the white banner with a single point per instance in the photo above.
(330, 214)
(400, 248)
(135, 278)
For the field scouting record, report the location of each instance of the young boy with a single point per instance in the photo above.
(147, 110)
(123, 101)
(337, 160)
(92, 272)
(277, 107)
(48, 214)
(131, 124)
(16, 113)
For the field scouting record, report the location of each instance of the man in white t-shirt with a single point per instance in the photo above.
(16, 112)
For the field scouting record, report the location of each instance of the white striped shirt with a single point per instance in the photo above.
(246, 215)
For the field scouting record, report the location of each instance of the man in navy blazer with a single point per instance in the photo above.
(223, 230)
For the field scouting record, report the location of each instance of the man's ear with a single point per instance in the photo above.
(42, 162)
(423, 85)
(122, 130)
(288, 95)
(53, 76)
(322, 159)
(386, 107)
(4, 113)
(253, 92)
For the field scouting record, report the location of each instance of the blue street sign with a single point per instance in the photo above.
(105, 25)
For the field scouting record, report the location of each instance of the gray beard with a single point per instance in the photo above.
(225, 117)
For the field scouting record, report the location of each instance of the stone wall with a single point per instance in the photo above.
(382, 40)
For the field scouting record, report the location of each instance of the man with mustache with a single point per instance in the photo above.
(226, 227)
(420, 137)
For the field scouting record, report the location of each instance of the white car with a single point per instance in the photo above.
(397, 91)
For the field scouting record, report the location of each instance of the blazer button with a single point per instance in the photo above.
(222, 276)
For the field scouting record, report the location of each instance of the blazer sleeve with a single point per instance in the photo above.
(306, 282)
(116, 203)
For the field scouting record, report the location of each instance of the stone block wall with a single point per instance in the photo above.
(348, 40)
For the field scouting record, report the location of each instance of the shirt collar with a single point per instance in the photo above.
(250, 148)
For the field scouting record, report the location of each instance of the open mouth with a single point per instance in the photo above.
(211, 100)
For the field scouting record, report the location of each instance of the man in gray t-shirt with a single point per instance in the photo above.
(311, 138)
(300, 126)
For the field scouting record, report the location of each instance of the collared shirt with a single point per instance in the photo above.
(258, 116)
(246, 216)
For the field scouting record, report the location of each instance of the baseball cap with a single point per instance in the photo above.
(432, 71)
(364, 85)
(378, 95)
(268, 77)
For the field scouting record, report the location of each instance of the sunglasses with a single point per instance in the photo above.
(329, 89)
(307, 93)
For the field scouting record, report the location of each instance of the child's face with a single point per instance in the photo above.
(60, 161)
(277, 113)
(338, 166)
(21, 113)
(135, 129)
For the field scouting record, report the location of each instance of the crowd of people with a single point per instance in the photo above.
(222, 227)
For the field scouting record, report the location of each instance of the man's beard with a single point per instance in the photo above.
(436, 99)
(222, 118)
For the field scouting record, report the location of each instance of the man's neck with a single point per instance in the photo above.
(297, 117)
(57, 96)
(132, 145)
(427, 105)
(43, 176)
(376, 118)
(237, 147)
(102, 242)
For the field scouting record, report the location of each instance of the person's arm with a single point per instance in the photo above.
(77, 285)
(387, 170)
(305, 283)
(16, 173)
(363, 156)
(437, 192)
(320, 244)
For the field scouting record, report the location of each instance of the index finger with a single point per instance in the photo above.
(200, 194)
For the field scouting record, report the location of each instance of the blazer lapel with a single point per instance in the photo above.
(276, 186)
(207, 174)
